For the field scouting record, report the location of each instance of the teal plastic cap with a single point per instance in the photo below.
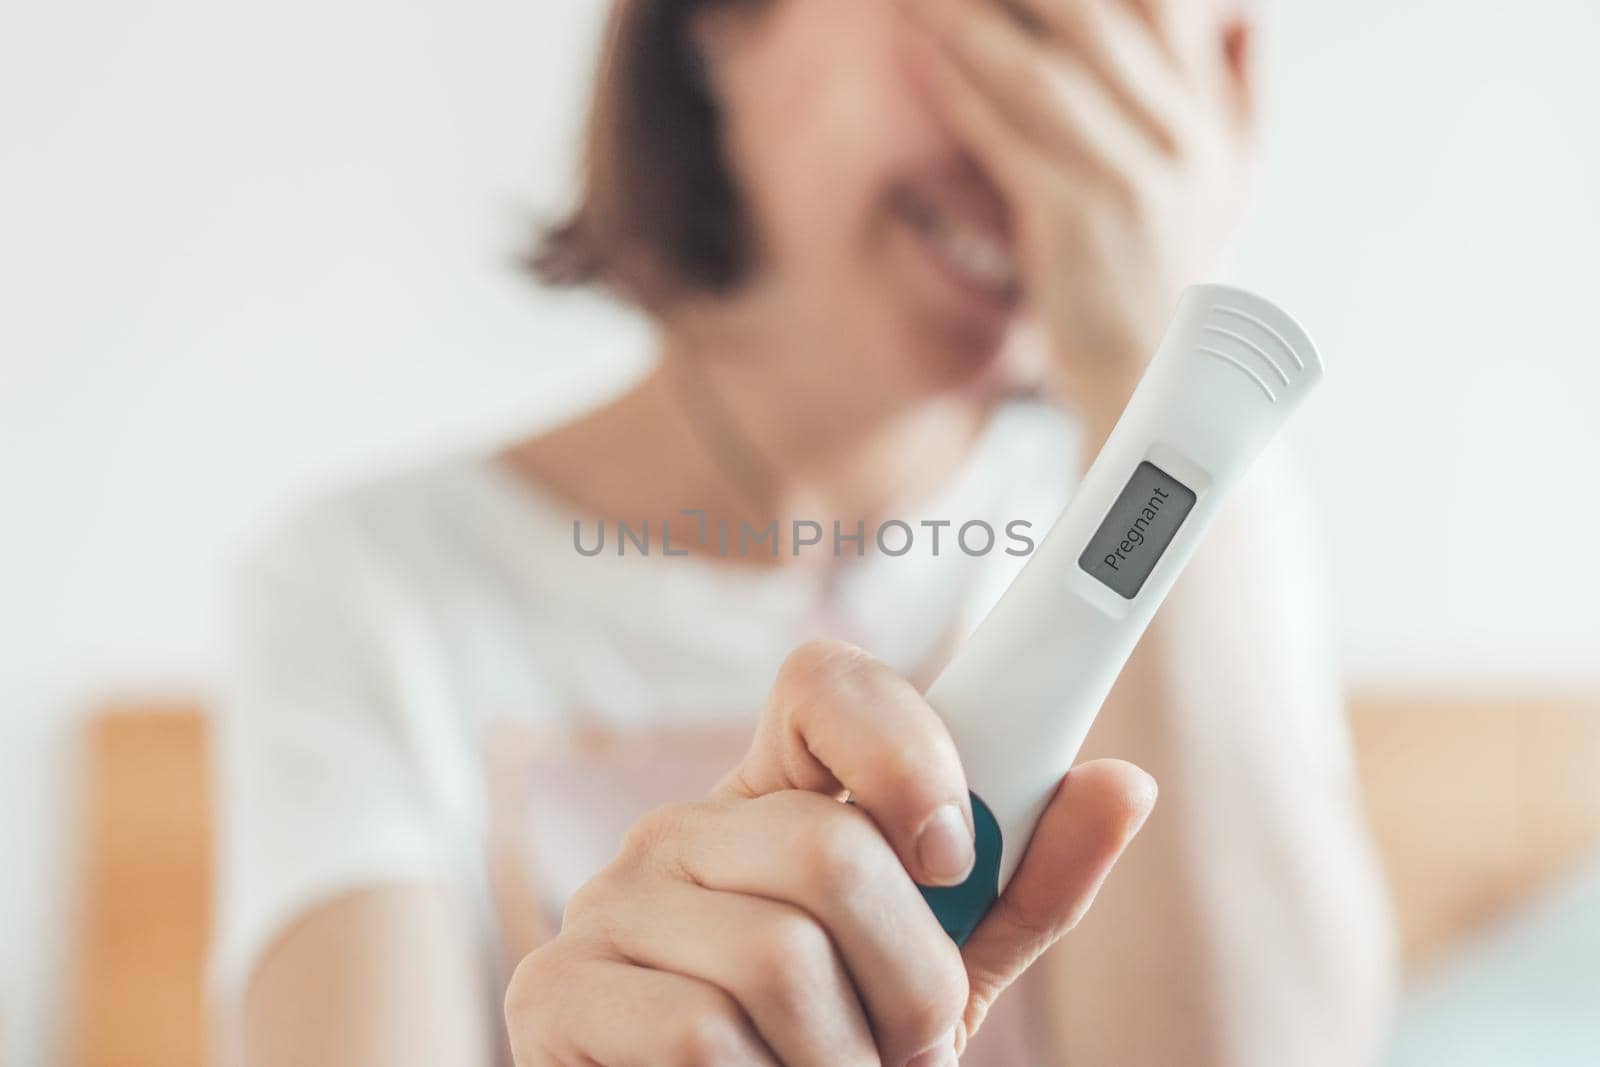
(960, 908)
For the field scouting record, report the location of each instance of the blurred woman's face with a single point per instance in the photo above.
(870, 220)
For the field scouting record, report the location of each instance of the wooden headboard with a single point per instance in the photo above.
(1475, 800)
(146, 890)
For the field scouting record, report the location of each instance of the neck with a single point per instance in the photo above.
(782, 454)
(747, 430)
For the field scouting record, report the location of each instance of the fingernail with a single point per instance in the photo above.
(944, 846)
(940, 1053)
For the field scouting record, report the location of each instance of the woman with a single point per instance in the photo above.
(861, 228)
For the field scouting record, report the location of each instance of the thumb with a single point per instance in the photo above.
(1096, 811)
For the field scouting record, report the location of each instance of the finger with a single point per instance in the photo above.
(1096, 811)
(1179, 27)
(771, 957)
(1120, 49)
(1006, 157)
(829, 860)
(1238, 35)
(839, 719)
(593, 1011)
(1052, 99)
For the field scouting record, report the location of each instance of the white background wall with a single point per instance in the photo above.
(245, 249)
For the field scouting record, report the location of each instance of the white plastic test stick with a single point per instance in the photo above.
(1022, 691)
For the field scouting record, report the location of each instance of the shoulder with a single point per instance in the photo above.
(404, 523)
(434, 566)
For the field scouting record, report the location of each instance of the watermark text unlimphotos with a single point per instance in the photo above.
(893, 537)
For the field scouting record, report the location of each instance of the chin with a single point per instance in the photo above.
(939, 354)
(948, 332)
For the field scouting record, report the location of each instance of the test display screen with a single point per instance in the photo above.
(1138, 529)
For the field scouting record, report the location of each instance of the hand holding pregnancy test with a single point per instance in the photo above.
(784, 919)
(1021, 693)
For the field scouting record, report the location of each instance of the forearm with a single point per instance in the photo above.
(384, 976)
(1248, 925)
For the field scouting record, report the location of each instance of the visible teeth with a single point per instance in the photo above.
(974, 253)
(977, 256)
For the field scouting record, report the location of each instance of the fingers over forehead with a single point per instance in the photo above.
(1051, 18)
(1063, 106)
(1187, 29)
(1130, 65)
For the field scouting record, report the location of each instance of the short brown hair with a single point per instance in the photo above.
(657, 213)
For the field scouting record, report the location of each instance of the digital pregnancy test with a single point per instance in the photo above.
(1022, 691)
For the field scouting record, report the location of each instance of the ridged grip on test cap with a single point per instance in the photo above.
(1253, 338)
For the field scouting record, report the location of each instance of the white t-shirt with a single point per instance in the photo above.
(390, 639)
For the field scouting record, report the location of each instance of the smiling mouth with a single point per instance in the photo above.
(976, 254)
